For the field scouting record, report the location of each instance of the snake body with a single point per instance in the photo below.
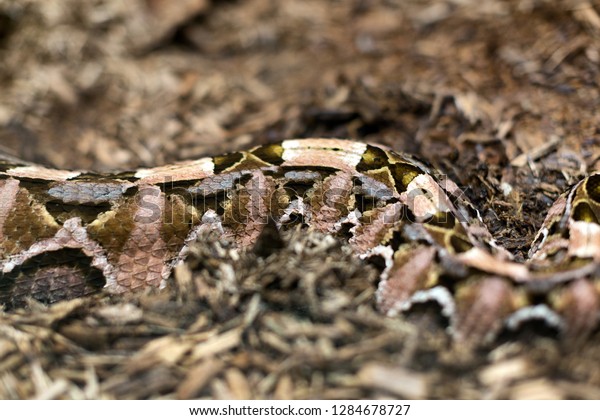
(69, 233)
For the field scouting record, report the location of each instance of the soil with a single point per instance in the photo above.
(500, 95)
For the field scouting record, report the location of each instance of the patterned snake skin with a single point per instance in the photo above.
(65, 234)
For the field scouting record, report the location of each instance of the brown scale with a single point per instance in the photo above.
(330, 201)
(178, 219)
(248, 209)
(27, 222)
(112, 228)
(377, 227)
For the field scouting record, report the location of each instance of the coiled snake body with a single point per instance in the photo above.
(68, 233)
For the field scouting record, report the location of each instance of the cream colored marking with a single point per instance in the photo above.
(39, 172)
(311, 152)
(425, 198)
(584, 240)
(182, 171)
(529, 313)
(8, 193)
(555, 213)
(437, 294)
(484, 261)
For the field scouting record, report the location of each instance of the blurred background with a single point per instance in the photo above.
(110, 84)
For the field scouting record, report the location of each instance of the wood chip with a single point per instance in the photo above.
(399, 381)
(238, 384)
(537, 389)
(505, 371)
(217, 345)
(198, 377)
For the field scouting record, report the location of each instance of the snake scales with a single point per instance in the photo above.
(69, 233)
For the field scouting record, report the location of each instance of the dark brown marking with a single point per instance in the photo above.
(272, 153)
(226, 161)
(372, 158)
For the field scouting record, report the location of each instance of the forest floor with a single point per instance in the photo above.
(492, 92)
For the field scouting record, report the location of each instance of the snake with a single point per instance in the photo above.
(71, 233)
